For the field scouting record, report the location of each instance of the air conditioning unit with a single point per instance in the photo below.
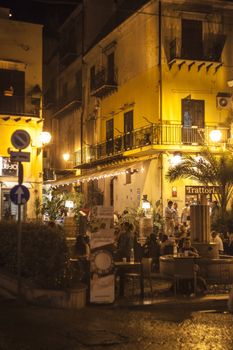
(224, 101)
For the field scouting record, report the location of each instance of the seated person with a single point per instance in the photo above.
(166, 246)
(187, 249)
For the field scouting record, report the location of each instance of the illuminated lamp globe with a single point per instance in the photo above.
(176, 159)
(215, 135)
(45, 137)
(66, 156)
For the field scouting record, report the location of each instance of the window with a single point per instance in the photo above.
(64, 91)
(111, 69)
(79, 85)
(128, 128)
(193, 120)
(92, 78)
(109, 136)
(192, 40)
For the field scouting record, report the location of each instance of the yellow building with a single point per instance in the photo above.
(154, 87)
(20, 108)
(157, 87)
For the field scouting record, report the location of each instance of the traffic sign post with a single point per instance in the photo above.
(20, 156)
(19, 194)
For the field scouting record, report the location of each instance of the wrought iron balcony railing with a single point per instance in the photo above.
(103, 83)
(73, 97)
(212, 46)
(163, 135)
(20, 105)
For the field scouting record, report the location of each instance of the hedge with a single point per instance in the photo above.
(44, 254)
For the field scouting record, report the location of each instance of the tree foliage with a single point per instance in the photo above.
(208, 169)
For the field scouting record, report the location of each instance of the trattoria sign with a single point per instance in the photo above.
(189, 190)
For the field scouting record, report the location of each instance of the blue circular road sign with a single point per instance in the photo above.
(20, 139)
(19, 194)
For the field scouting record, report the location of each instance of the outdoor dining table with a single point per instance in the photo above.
(124, 267)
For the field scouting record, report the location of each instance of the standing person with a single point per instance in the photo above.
(229, 246)
(169, 219)
(152, 250)
(217, 240)
(176, 214)
(185, 215)
(125, 241)
(215, 211)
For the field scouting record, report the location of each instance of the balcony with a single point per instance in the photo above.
(20, 105)
(102, 84)
(49, 174)
(208, 56)
(69, 52)
(147, 140)
(71, 101)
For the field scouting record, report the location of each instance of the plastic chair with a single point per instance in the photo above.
(185, 269)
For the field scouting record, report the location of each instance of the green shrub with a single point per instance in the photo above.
(44, 257)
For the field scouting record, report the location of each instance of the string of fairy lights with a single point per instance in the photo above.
(100, 177)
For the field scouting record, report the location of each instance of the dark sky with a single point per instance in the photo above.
(38, 11)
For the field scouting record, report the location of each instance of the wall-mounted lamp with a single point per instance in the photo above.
(66, 157)
(215, 135)
(176, 159)
(45, 138)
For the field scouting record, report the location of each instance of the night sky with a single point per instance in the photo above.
(38, 11)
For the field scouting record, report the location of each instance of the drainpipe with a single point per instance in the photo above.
(160, 94)
(83, 91)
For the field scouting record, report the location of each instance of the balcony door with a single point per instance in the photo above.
(111, 69)
(193, 121)
(109, 137)
(192, 40)
(128, 130)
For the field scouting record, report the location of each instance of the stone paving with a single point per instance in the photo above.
(177, 324)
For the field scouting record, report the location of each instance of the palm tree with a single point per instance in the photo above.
(208, 169)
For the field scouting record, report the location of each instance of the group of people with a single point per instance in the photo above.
(173, 219)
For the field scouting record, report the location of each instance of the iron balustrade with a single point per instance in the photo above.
(212, 46)
(103, 83)
(156, 134)
(20, 105)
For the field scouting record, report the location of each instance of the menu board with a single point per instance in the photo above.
(102, 279)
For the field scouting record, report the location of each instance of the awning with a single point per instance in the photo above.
(112, 171)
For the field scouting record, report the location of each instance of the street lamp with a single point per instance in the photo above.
(215, 135)
(45, 137)
(176, 159)
(66, 157)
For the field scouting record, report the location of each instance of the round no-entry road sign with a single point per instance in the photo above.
(19, 194)
(20, 139)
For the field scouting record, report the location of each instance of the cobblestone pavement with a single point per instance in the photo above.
(24, 327)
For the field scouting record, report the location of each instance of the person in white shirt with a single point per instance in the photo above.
(217, 240)
(169, 219)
